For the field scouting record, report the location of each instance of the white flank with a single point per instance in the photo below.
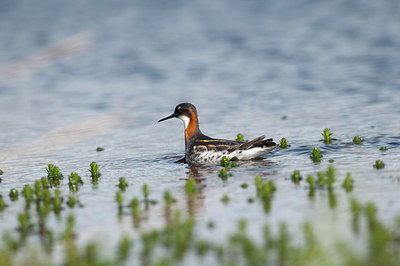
(212, 157)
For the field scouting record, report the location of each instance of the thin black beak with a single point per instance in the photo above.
(168, 117)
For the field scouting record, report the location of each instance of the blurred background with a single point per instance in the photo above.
(62, 61)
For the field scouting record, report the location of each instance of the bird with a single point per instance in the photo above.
(201, 150)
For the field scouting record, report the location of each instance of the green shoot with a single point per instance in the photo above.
(348, 183)
(74, 181)
(119, 198)
(94, 172)
(123, 249)
(27, 192)
(225, 199)
(330, 173)
(71, 201)
(54, 175)
(190, 186)
(311, 181)
(239, 137)
(224, 174)
(379, 164)
(3, 205)
(57, 200)
(296, 177)
(122, 184)
(13, 194)
(284, 144)
(327, 136)
(383, 148)
(357, 140)
(145, 190)
(316, 155)
(225, 162)
(99, 149)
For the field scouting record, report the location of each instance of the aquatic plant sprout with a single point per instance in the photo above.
(284, 144)
(327, 136)
(316, 155)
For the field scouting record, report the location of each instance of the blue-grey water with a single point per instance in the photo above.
(77, 75)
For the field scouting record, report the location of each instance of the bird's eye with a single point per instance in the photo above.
(179, 109)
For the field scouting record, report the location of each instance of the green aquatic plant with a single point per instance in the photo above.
(57, 201)
(124, 246)
(316, 155)
(239, 137)
(284, 144)
(312, 184)
(225, 162)
(348, 183)
(356, 210)
(27, 192)
(265, 191)
(244, 185)
(24, 225)
(74, 180)
(94, 172)
(98, 149)
(383, 148)
(327, 136)
(311, 181)
(224, 174)
(330, 174)
(54, 175)
(225, 199)
(258, 182)
(44, 183)
(135, 212)
(119, 198)
(379, 164)
(3, 204)
(168, 198)
(71, 201)
(145, 190)
(122, 184)
(296, 177)
(190, 186)
(1, 172)
(13, 194)
(357, 140)
(321, 179)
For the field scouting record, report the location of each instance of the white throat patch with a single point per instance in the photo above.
(185, 120)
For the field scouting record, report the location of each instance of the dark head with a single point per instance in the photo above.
(188, 114)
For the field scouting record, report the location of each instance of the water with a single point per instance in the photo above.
(245, 65)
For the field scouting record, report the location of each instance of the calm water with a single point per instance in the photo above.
(245, 65)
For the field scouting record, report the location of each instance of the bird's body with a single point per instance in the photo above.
(203, 150)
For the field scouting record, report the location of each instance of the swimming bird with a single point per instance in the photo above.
(203, 150)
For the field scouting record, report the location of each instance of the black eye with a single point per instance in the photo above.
(179, 110)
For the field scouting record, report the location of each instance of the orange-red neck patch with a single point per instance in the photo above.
(192, 127)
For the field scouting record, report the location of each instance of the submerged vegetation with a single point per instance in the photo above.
(176, 241)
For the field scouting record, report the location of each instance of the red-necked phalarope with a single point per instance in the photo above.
(203, 150)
